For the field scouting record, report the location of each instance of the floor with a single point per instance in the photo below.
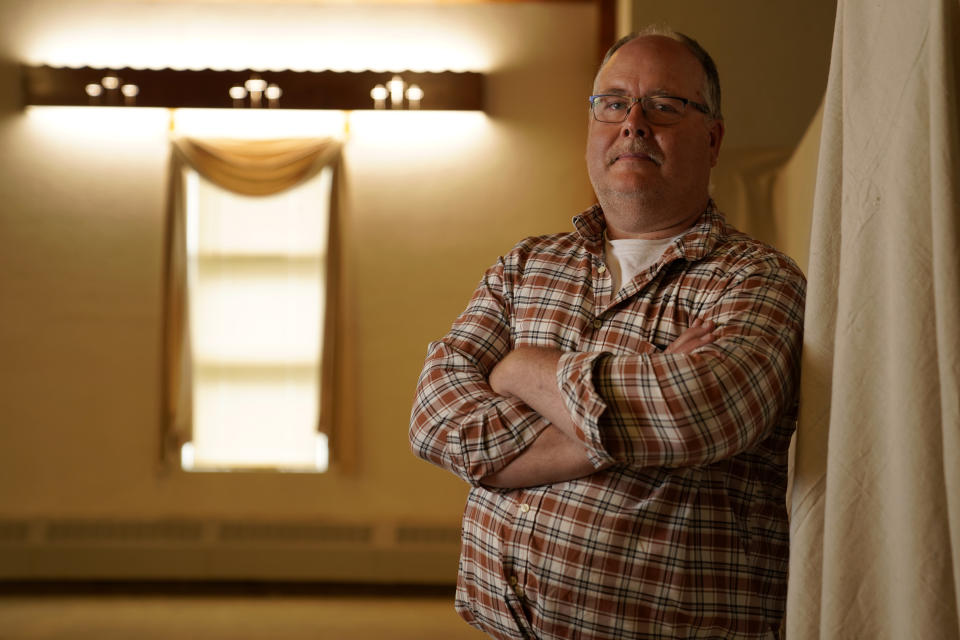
(230, 617)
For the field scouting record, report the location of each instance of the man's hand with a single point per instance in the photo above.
(699, 334)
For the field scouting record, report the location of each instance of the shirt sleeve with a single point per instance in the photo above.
(674, 410)
(458, 422)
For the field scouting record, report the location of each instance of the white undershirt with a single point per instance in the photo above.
(629, 256)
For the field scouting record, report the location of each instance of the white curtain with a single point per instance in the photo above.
(876, 503)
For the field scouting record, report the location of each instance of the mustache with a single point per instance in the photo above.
(638, 147)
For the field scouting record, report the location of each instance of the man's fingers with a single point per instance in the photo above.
(698, 335)
(689, 345)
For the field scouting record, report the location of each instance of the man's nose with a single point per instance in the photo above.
(636, 124)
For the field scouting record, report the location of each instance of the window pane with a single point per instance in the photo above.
(282, 224)
(256, 291)
(257, 311)
(255, 418)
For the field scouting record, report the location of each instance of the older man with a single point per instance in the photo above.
(621, 397)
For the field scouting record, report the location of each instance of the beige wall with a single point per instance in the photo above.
(430, 206)
(793, 192)
(773, 59)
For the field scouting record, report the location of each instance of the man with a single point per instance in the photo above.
(622, 397)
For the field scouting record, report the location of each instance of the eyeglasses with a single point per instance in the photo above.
(656, 109)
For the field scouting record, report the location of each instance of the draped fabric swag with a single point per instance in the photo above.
(252, 168)
(875, 549)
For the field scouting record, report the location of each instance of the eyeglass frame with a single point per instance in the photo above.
(702, 108)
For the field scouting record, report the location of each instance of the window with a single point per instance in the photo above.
(255, 276)
(253, 279)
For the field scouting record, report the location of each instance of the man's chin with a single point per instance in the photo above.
(631, 185)
(629, 195)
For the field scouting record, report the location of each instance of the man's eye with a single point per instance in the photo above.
(615, 105)
(666, 107)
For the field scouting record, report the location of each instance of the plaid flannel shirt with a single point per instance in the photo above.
(682, 533)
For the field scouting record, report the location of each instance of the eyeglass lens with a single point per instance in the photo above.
(657, 109)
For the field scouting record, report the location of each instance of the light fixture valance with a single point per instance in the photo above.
(219, 89)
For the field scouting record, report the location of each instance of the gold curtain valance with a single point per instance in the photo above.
(257, 167)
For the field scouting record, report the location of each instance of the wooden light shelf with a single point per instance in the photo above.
(210, 89)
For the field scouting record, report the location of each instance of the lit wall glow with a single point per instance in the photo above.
(423, 132)
(140, 133)
(236, 36)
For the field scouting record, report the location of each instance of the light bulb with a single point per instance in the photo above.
(129, 92)
(414, 96)
(110, 82)
(255, 84)
(272, 92)
(396, 92)
(93, 90)
(237, 92)
(379, 94)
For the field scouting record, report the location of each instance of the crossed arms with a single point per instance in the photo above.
(510, 415)
(530, 373)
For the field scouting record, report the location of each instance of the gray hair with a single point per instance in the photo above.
(711, 87)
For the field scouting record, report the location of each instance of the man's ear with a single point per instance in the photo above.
(715, 129)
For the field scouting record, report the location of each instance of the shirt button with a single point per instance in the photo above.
(524, 507)
(513, 581)
(601, 268)
(597, 323)
(518, 590)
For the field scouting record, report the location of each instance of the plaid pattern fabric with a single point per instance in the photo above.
(683, 533)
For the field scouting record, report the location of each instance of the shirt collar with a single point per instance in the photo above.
(698, 241)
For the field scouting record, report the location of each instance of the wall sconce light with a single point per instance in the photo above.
(129, 92)
(395, 86)
(212, 89)
(104, 93)
(414, 96)
(397, 90)
(237, 94)
(379, 94)
(255, 88)
(272, 93)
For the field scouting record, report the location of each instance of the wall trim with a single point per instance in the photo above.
(193, 549)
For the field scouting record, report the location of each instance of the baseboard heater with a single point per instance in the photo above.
(261, 550)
